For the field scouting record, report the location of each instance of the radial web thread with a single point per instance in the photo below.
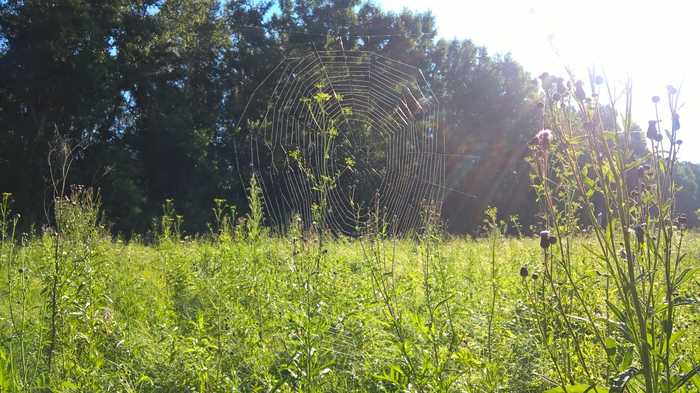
(352, 134)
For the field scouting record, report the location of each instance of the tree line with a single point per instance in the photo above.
(150, 93)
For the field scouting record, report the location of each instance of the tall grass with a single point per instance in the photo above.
(275, 313)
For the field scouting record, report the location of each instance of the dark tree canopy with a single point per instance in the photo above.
(152, 93)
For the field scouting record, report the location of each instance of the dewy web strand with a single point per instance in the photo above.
(354, 131)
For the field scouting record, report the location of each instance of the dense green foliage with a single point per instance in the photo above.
(151, 93)
(240, 311)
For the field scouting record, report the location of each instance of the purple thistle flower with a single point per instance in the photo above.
(544, 138)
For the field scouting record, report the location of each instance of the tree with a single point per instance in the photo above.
(58, 74)
(491, 114)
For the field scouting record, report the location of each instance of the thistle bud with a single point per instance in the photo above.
(524, 272)
(655, 99)
(535, 276)
(544, 240)
(652, 131)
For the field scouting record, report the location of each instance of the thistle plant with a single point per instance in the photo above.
(585, 164)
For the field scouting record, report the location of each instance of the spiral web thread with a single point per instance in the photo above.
(359, 126)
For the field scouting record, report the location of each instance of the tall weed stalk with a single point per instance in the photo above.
(589, 161)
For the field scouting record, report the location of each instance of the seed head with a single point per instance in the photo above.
(535, 276)
(655, 99)
(524, 272)
(652, 130)
(546, 240)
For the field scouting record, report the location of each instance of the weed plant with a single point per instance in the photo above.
(618, 329)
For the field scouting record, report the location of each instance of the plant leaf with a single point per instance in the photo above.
(618, 383)
(686, 377)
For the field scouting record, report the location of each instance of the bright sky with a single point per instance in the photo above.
(654, 42)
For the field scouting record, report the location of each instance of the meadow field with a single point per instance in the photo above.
(324, 196)
(239, 310)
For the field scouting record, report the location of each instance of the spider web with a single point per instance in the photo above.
(357, 127)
